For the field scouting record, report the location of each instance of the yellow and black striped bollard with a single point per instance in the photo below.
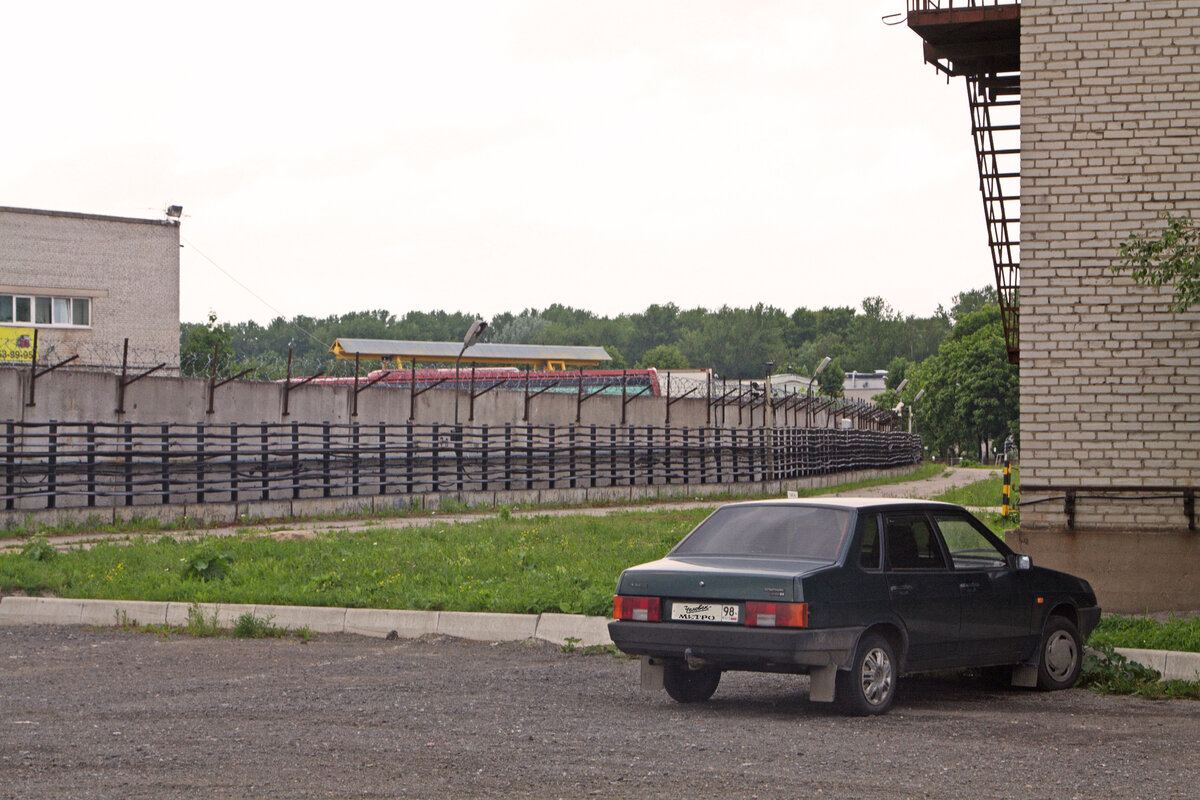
(1007, 491)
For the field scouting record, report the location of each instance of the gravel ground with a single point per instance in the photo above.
(87, 713)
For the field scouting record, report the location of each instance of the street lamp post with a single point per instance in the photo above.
(473, 333)
(816, 373)
(769, 409)
(912, 408)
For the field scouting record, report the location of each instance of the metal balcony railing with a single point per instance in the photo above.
(945, 5)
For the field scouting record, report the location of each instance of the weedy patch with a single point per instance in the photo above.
(1108, 672)
(207, 565)
(200, 625)
(38, 548)
(248, 626)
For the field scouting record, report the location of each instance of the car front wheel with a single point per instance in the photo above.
(869, 686)
(690, 685)
(1061, 655)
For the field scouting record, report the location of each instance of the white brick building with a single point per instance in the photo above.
(86, 283)
(1110, 377)
(1109, 99)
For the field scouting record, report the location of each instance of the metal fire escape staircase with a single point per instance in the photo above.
(980, 40)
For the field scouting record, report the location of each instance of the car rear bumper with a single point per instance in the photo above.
(737, 647)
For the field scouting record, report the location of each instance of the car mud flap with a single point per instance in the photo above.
(1025, 676)
(821, 684)
(652, 674)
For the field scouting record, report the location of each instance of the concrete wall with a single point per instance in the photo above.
(128, 267)
(1110, 377)
(67, 395)
(259, 510)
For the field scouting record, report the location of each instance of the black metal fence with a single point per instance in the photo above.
(59, 464)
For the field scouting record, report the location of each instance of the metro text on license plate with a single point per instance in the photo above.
(704, 612)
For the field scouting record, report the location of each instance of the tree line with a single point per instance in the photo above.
(957, 354)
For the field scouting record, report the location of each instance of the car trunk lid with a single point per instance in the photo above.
(720, 578)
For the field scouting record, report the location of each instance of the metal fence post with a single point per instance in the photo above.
(52, 463)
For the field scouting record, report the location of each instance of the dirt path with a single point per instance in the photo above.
(302, 529)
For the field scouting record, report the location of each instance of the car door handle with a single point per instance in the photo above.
(969, 587)
(902, 588)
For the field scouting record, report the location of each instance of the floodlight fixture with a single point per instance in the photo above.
(473, 333)
(471, 337)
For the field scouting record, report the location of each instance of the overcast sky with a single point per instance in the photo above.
(501, 154)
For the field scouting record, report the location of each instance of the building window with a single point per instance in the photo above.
(73, 312)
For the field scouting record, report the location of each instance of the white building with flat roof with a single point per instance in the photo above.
(85, 283)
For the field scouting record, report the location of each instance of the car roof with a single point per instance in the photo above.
(851, 502)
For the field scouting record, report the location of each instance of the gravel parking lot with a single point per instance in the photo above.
(87, 713)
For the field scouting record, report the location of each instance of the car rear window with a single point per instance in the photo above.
(807, 532)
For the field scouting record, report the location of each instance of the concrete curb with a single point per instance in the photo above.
(1171, 664)
(560, 629)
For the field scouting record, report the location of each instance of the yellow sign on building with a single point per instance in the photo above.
(16, 344)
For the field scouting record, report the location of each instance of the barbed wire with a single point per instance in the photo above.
(267, 366)
(271, 367)
(99, 356)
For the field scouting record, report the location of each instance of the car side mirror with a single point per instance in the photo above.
(1020, 563)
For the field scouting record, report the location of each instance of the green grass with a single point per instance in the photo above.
(985, 493)
(1176, 633)
(512, 564)
(525, 565)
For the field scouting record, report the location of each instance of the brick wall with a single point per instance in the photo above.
(130, 269)
(1110, 378)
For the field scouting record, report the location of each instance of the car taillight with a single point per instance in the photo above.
(777, 615)
(638, 609)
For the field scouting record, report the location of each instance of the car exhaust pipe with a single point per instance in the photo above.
(695, 662)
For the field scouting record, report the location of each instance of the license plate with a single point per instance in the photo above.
(705, 612)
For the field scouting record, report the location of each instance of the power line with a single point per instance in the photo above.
(252, 293)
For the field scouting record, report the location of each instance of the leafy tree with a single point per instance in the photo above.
(897, 370)
(664, 356)
(737, 342)
(527, 328)
(657, 325)
(887, 399)
(965, 302)
(198, 342)
(1172, 256)
(973, 321)
(832, 380)
(615, 358)
(971, 391)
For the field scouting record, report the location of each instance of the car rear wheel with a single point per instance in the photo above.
(869, 686)
(1061, 655)
(690, 685)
